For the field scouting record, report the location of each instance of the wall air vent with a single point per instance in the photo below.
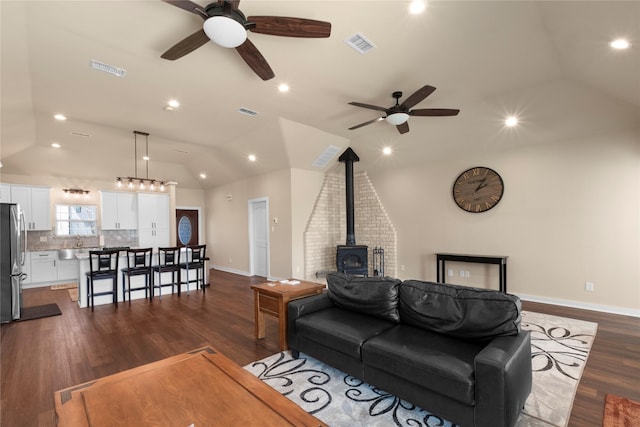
(101, 66)
(326, 156)
(360, 43)
(247, 111)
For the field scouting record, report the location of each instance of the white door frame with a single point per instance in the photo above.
(252, 255)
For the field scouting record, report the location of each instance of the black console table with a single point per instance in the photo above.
(501, 261)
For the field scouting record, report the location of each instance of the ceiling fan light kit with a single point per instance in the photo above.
(225, 31)
(397, 118)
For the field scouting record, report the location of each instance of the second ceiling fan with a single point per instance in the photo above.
(400, 113)
(227, 26)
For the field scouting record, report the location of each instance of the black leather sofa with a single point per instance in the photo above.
(456, 351)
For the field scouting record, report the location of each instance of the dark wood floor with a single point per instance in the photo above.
(41, 356)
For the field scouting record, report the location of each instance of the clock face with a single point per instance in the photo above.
(478, 189)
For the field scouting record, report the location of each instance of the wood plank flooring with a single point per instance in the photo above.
(38, 357)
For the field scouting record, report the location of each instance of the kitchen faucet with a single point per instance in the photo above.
(78, 242)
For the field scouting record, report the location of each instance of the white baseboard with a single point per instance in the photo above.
(230, 270)
(582, 305)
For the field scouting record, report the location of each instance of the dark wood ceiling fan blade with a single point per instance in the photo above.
(189, 6)
(369, 106)
(417, 96)
(290, 27)
(186, 46)
(366, 123)
(403, 128)
(434, 112)
(255, 60)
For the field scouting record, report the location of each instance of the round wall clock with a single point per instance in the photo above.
(478, 189)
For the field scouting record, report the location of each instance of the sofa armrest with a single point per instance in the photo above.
(503, 380)
(302, 307)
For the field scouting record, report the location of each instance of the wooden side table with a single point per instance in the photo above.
(273, 297)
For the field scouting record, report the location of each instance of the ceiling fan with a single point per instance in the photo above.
(400, 113)
(227, 26)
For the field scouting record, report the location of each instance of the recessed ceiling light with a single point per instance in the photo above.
(145, 158)
(252, 157)
(511, 121)
(283, 87)
(203, 175)
(417, 6)
(173, 103)
(55, 145)
(620, 44)
(386, 151)
(60, 117)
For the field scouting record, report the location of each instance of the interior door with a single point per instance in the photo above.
(259, 237)
(186, 227)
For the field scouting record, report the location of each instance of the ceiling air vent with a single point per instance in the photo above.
(247, 111)
(101, 66)
(80, 134)
(326, 156)
(360, 43)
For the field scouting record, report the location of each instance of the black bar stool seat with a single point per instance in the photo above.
(168, 262)
(103, 265)
(195, 257)
(138, 264)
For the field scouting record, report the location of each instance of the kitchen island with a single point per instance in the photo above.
(136, 281)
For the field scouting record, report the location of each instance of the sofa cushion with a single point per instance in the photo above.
(442, 364)
(375, 296)
(459, 311)
(342, 330)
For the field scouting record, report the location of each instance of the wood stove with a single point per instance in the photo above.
(351, 258)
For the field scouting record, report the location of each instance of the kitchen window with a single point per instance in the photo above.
(76, 220)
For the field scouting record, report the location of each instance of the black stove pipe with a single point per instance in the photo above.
(348, 157)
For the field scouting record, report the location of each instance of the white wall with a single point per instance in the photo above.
(570, 214)
(228, 222)
(305, 186)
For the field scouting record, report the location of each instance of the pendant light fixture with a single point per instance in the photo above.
(135, 181)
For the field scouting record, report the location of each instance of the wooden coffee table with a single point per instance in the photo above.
(273, 297)
(200, 388)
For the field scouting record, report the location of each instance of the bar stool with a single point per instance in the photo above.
(168, 262)
(138, 264)
(102, 265)
(194, 260)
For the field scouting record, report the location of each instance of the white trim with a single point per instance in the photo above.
(192, 208)
(250, 204)
(582, 305)
(242, 273)
(230, 270)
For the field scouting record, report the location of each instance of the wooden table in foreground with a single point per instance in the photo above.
(273, 297)
(199, 388)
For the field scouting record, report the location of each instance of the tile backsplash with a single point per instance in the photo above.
(47, 240)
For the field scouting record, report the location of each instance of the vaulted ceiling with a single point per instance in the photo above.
(549, 63)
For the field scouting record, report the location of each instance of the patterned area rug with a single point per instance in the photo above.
(559, 350)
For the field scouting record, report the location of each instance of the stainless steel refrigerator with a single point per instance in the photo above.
(12, 255)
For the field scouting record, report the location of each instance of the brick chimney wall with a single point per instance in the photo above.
(326, 228)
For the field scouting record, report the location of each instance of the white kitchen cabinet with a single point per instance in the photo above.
(119, 210)
(153, 220)
(68, 269)
(44, 266)
(35, 202)
(5, 193)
